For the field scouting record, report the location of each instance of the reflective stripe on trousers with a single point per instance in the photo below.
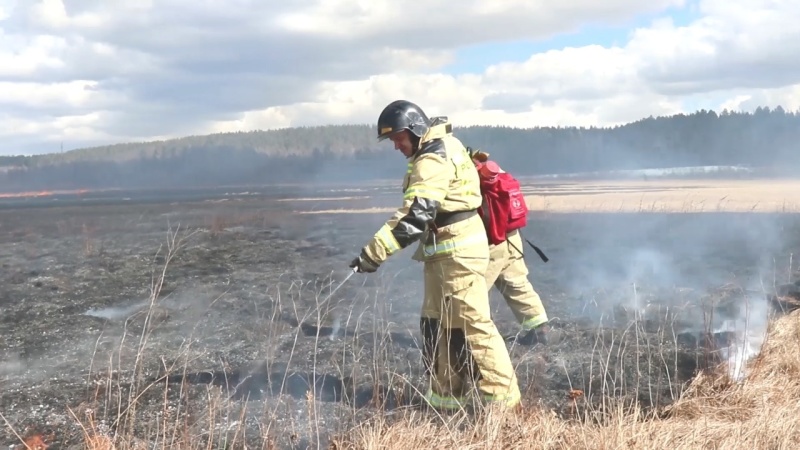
(533, 322)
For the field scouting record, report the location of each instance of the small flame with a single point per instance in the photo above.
(35, 442)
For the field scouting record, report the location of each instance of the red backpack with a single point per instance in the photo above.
(504, 209)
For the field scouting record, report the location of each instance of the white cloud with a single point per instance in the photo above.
(735, 44)
(21, 57)
(74, 94)
(787, 97)
(731, 50)
(571, 73)
(444, 22)
(86, 72)
(5, 9)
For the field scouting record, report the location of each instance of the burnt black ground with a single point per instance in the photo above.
(235, 339)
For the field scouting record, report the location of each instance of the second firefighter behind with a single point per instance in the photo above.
(441, 195)
(504, 212)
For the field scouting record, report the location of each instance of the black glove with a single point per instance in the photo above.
(363, 264)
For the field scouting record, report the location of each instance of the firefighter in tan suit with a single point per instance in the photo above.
(508, 272)
(461, 343)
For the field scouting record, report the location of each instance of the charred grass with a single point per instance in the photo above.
(309, 370)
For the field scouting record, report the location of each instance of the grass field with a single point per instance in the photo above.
(210, 324)
(678, 196)
(713, 412)
(663, 196)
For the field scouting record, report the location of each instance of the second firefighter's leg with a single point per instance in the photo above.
(498, 262)
(517, 290)
(475, 337)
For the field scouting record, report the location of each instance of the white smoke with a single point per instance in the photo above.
(337, 324)
(115, 312)
(749, 329)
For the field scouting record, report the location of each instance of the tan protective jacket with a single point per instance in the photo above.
(441, 178)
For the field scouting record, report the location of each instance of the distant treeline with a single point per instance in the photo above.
(765, 138)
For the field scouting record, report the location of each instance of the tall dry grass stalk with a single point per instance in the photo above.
(760, 412)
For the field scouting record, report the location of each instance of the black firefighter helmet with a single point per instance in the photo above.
(402, 115)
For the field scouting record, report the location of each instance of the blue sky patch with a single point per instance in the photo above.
(476, 58)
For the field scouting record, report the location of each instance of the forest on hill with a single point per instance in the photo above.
(766, 138)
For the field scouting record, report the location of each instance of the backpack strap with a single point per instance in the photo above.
(535, 248)
(538, 251)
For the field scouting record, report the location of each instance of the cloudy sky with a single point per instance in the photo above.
(86, 72)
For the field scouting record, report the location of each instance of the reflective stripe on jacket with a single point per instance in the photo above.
(441, 177)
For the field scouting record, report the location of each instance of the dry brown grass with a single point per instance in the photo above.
(372, 210)
(670, 196)
(713, 412)
(761, 412)
(322, 199)
(658, 196)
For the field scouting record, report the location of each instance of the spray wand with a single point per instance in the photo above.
(340, 284)
(336, 320)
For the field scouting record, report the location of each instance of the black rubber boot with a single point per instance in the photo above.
(543, 334)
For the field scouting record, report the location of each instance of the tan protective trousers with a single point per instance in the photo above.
(465, 345)
(509, 274)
